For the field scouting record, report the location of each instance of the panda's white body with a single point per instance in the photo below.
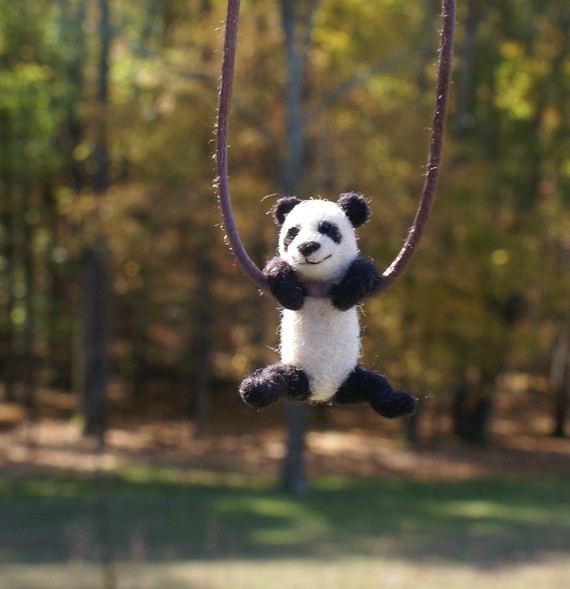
(310, 341)
(319, 339)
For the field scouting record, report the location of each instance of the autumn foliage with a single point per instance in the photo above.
(113, 159)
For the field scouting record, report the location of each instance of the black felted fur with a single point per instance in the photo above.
(366, 386)
(284, 284)
(360, 280)
(355, 208)
(283, 207)
(267, 385)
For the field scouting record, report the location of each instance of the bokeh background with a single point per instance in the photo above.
(126, 325)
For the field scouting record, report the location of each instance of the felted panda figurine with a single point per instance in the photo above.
(320, 336)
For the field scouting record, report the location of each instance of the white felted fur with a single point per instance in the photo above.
(319, 339)
(306, 216)
(322, 341)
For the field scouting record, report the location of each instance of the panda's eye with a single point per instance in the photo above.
(292, 232)
(330, 230)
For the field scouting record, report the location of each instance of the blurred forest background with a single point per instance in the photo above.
(124, 316)
(118, 295)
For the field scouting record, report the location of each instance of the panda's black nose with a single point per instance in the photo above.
(308, 247)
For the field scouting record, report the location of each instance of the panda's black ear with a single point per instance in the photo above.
(283, 207)
(355, 207)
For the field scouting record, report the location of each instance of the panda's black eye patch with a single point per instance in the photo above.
(330, 230)
(292, 232)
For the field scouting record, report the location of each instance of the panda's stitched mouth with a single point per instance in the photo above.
(307, 261)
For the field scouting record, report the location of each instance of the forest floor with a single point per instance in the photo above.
(351, 442)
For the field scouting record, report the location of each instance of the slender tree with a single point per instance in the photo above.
(96, 282)
(297, 21)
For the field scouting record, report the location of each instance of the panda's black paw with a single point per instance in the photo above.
(267, 385)
(258, 393)
(283, 283)
(344, 299)
(365, 385)
(360, 280)
(393, 404)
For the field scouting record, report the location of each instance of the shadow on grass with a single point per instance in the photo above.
(162, 515)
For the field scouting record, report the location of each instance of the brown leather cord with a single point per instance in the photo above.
(225, 98)
(396, 268)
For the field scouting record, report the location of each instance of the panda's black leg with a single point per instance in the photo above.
(367, 386)
(267, 385)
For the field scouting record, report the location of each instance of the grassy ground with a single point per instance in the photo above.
(181, 513)
(174, 527)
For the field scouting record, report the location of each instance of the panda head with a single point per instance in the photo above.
(317, 237)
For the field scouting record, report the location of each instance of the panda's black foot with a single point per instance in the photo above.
(267, 385)
(364, 385)
(395, 404)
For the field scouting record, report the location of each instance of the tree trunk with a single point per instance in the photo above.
(96, 281)
(58, 323)
(413, 427)
(140, 341)
(8, 251)
(465, 83)
(95, 343)
(297, 22)
(28, 355)
(472, 412)
(560, 380)
(293, 478)
(9, 359)
(202, 344)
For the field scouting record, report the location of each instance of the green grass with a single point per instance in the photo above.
(203, 527)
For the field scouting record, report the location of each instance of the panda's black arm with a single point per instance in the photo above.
(283, 284)
(361, 279)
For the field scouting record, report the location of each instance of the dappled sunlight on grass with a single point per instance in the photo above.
(500, 512)
(177, 513)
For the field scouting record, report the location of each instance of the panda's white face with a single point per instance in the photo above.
(318, 241)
